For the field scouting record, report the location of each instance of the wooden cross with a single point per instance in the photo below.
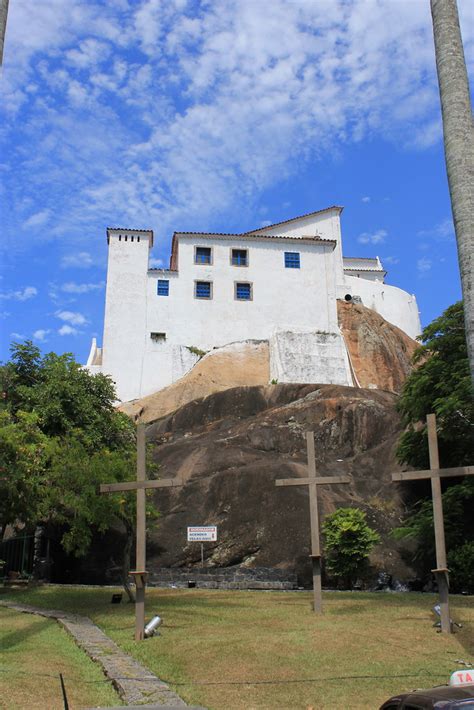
(141, 485)
(435, 473)
(313, 482)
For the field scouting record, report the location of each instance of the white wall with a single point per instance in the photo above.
(326, 224)
(281, 297)
(309, 357)
(124, 340)
(396, 306)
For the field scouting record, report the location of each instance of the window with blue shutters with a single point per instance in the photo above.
(243, 291)
(292, 259)
(163, 288)
(203, 289)
(239, 257)
(203, 255)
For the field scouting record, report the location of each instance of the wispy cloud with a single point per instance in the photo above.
(372, 237)
(155, 263)
(37, 219)
(41, 334)
(21, 295)
(441, 232)
(67, 330)
(71, 317)
(390, 260)
(72, 287)
(81, 260)
(365, 199)
(424, 265)
(221, 111)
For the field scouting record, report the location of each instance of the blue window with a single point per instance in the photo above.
(203, 255)
(292, 259)
(163, 288)
(243, 291)
(202, 289)
(239, 257)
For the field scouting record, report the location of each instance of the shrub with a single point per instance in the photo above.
(349, 541)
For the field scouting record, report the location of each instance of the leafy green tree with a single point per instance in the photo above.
(25, 456)
(441, 384)
(348, 543)
(458, 503)
(60, 437)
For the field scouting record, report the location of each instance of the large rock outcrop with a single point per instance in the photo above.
(228, 449)
(380, 353)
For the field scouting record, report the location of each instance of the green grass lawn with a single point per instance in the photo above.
(33, 651)
(245, 650)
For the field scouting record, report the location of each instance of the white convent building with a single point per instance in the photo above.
(278, 283)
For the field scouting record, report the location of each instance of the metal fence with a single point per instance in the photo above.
(17, 553)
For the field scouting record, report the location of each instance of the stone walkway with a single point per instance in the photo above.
(135, 684)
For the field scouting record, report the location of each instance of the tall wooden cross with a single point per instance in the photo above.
(141, 485)
(435, 473)
(313, 482)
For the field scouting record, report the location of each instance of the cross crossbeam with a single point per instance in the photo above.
(313, 481)
(435, 473)
(141, 485)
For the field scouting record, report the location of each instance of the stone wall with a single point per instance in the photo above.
(224, 578)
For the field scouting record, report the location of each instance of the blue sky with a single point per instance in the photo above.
(214, 115)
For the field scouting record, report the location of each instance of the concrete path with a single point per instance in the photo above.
(135, 684)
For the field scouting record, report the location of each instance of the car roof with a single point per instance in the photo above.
(431, 697)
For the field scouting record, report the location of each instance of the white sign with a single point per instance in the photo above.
(203, 533)
(462, 677)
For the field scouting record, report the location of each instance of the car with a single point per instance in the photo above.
(458, 695)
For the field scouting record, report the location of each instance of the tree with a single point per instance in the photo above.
(458, 503)
(440, 384)
(458, 146)
(60, 436)
(348, 543)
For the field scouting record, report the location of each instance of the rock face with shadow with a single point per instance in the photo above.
(228, 449)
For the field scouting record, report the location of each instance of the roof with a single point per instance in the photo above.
(362, 263)
(294, 219)
(129, 230)
(244, 236)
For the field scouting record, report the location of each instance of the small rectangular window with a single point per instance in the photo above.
(203, 289)
(163, 288)
(243, 291)
(292, 260)
(158, 337)
(203, 255)
(239, 257)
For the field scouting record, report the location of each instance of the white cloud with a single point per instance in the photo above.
(72, 287)
(365, 199)
(441, 232)
(37, 219)
(390, 260)
(223, 100)
(24, 295)
(17, 336)
(68, 330)
(41, 334)
(71, 317)
(4, 314)
(377, 237)
(81, 260)
(424, 265)
(156, 263)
